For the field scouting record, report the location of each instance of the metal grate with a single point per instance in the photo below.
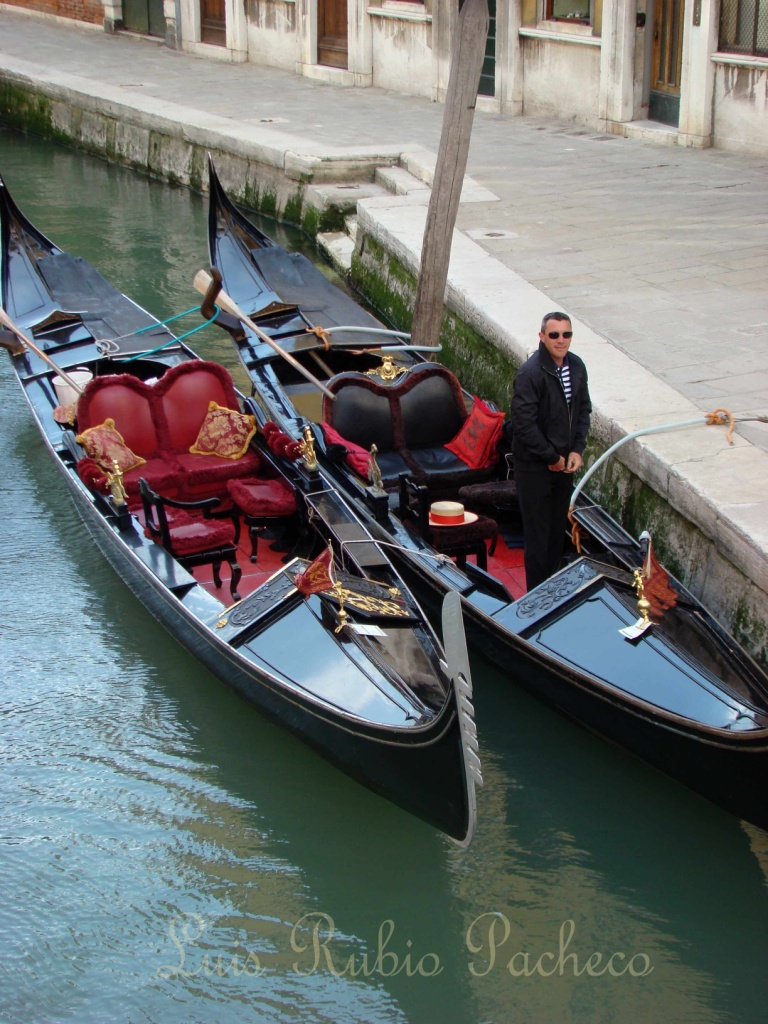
(744, 27)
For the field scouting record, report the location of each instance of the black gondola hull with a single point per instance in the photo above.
(723, 756)
(418, 760)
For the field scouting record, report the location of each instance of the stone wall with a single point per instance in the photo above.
(741, 107)
(89, 11)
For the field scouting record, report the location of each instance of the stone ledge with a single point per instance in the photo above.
(299, 159)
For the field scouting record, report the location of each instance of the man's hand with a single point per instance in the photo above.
(557, 467)
(574, 462)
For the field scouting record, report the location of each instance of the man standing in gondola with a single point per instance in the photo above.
(551, 409)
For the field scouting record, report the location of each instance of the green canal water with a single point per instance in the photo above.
(167, 856)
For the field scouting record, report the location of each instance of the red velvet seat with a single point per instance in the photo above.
(188, 532)
(264, 503)
(160, 422)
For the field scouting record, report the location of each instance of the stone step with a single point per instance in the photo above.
(399, 181)
(337, 247)
(341, 197)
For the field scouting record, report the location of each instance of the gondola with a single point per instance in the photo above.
(314, 626)
(652, 672)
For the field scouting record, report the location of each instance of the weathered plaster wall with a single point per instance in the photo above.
(402, 56)
(740, 108)
(560, 80)
(273, 37)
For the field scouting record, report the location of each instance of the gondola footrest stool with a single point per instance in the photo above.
(264, 503)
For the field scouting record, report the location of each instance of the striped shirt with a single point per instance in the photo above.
(564, 373)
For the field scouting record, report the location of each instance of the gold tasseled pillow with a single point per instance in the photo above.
(105, 445)
(225, 432)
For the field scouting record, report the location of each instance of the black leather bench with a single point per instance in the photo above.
(409, 420)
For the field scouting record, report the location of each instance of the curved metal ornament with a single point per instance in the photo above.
(556, 589)
(455, 646)
(388, 371)
(371, 604)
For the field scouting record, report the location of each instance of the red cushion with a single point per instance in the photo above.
(160, 474)
(105, 445)
(126, 400)
(477, 440)
(191, 535)
(204, 470)
(357, 457)
(262, 497)
(224, 432)
(92, 475)
(181, 398)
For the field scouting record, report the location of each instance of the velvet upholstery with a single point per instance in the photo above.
(477, 441)
(161, 421)
(224, 432)
(106, 446)
(195, 533)
(264, 503)
(262, 497)
(125, 399)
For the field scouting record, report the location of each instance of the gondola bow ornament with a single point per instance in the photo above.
(658, 590)
(318, 576)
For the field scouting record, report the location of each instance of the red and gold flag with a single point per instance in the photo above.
(657, 587)
(318, 576)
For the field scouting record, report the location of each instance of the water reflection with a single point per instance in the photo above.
(159, 835)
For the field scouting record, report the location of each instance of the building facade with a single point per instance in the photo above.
(687, 72)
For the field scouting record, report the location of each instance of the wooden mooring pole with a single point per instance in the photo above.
(467, 55)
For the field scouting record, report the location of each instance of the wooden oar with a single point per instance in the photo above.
(203, 281)
(5, 319)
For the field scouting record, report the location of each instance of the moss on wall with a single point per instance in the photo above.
(390, 289)
(26, 111)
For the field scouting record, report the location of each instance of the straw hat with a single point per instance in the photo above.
(449, 513)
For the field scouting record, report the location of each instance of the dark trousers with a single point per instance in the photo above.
(544, 499)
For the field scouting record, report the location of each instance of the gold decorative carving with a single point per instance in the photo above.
(308, 449)
(116, 486)
(371, 605)
(388, 371)
(374, 473)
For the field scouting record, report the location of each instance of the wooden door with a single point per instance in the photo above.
(144, 16)
(332, 33)
(487, 85)
(664, 104)
(213, 24)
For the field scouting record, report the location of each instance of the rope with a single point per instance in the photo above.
(717, 418)
(173, 340)
(323, 335)
(576, 531)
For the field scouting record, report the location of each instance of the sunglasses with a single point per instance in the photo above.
(554, 335)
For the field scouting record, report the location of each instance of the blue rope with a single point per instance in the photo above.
(173, 340)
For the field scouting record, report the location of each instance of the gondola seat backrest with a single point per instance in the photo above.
(410, 420)
(124, 399)
(181, 397)
(160, 422)
(432, 408)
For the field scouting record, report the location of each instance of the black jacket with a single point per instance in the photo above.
(544, 426)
